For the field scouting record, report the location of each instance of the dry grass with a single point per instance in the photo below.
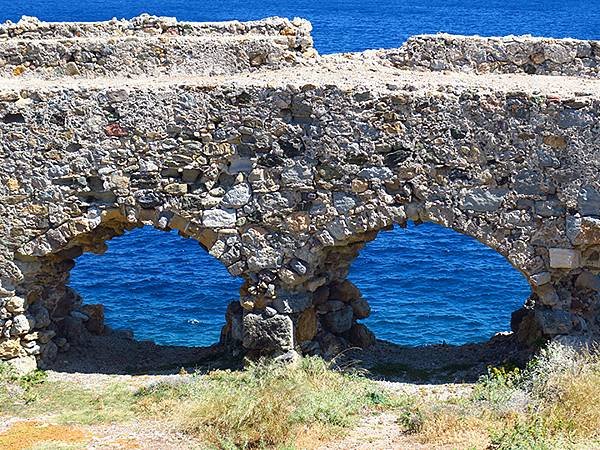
(553, 404)
(267, 405)
(27, 435)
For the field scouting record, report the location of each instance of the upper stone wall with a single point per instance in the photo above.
(511, 54)
(148, 45)
(147, 25)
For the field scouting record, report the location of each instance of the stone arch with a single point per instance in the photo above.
(290, 161)
(339, 304)
(44, 303)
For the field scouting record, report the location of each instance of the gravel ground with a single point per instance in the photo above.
(433, 372)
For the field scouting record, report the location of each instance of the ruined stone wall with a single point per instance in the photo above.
(283, 175)
(512, 54)
(150, 45)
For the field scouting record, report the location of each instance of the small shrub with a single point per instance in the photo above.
(498, 386)
(528, 435)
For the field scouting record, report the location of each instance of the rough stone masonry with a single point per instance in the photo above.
(282, 164)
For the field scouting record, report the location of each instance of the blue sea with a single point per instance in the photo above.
(425, 284)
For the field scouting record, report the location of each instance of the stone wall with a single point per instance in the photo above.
(283, 174)
(149, 45)
(511, 54)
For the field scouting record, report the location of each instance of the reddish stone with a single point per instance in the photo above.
(115, 130)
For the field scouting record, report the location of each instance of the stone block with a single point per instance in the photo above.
(588, 201)
(176, 189)
(541, 278)
(268, 334)
(219, 218)
(15, 305)
(237, 196)
(583, 230)
(339, 321)
(306, 329)
(330, 305)
(21, 325)
(587, 280)
(554, 322)
(564, 258)
(484, 200)
(321, 295)
(344, 291)
(291, 302)
(10, 348)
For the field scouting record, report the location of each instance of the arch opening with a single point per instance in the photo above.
(425, 300)
(117, 314)
(428, 285)
(162, 287)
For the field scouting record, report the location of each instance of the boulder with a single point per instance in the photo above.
(361, 336)
(268, 334)
(339, 321)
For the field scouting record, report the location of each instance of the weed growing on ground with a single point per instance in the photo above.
(267, 404)
(32, 395)
(553, 404)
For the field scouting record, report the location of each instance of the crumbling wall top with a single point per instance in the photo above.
(147, 25)
(510, 54)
